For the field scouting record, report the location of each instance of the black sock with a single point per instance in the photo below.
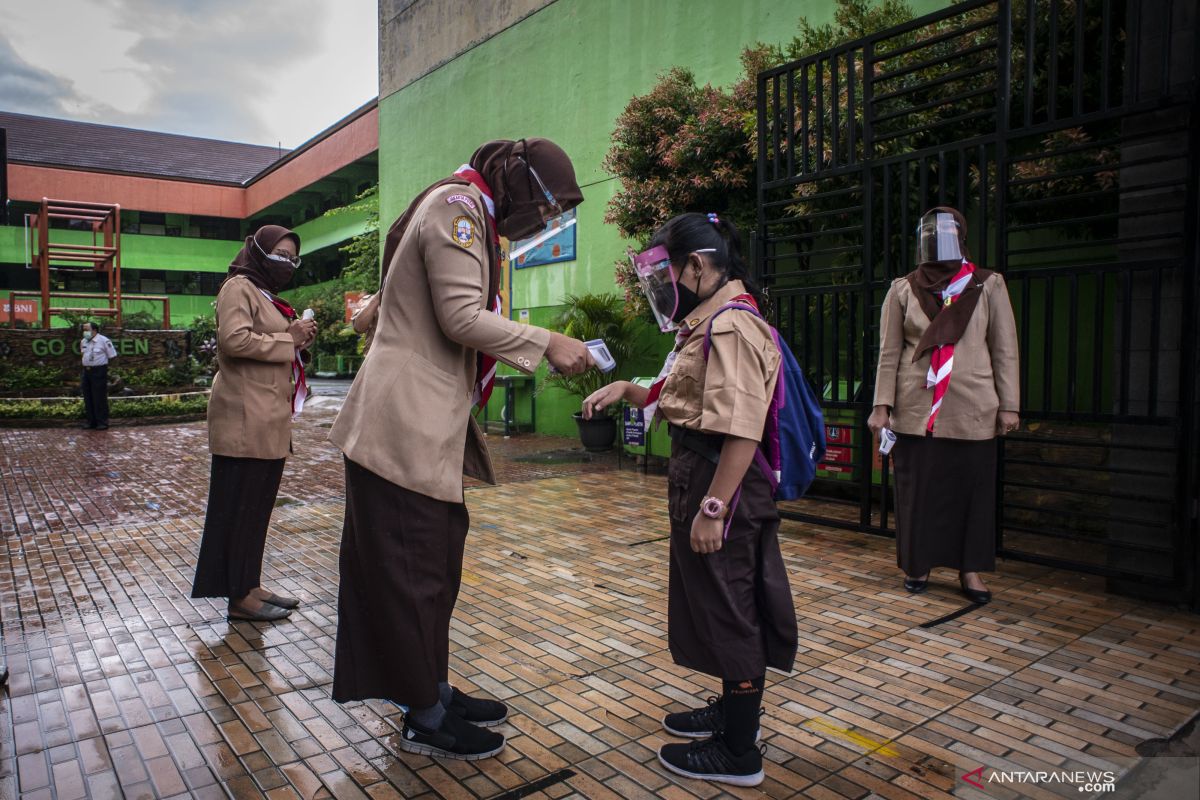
(741, 700)
(428, 719)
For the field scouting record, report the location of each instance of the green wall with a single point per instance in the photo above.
(138, 251)
(565, 73)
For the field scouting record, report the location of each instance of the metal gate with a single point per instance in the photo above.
(1067, 132)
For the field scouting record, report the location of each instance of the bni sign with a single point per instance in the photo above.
(27, 310)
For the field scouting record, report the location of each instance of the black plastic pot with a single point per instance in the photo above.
(597, 433)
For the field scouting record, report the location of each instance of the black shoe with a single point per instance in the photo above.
(102, 427)
(711, 760)
(700, 723)
(916, 585)
(477, 710)
(3, 675)
(979, 597)
(456, 738)
(268, 613)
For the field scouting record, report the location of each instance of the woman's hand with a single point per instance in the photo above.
(568, 356)
(303, 331)
(880, 418)
(1007, 422)
(604, 397)
(708, 534)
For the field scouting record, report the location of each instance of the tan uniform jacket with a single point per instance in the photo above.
(984, 380)
(249, 412)
(407, 417)
(731, 391)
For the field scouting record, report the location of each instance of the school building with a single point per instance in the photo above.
(187, 203)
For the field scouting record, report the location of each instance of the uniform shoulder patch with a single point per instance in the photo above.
(462, 231)
(461, 198)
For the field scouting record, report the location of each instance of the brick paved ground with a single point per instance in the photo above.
(122, 686)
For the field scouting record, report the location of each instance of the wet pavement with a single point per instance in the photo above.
(122, 686)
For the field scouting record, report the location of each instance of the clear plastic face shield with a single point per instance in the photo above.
(657, 279)
(938, 238)
(653, 270)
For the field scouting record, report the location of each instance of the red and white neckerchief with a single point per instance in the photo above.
(941, 360)
(485, 364)
(680, 337)
(299, 381)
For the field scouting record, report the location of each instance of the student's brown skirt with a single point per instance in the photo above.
(730, 613)
(945, 504)
(241, 496)
(401, 565)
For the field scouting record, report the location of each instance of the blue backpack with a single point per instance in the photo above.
(794, 435)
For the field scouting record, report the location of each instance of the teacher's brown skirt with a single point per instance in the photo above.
(241, 496)
(401, 565)
(730, 613)
(945, 504)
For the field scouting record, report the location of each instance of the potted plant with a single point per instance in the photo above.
(598, 316)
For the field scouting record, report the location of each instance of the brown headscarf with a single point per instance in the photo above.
(521, 208)
(946, 323)
(251, 261)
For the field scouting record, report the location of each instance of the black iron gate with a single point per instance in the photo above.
(1067, 132)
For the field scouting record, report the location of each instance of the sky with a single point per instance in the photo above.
(260, 71)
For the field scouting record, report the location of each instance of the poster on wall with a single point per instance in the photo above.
(555, 243)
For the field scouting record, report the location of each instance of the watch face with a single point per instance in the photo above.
(712, 507)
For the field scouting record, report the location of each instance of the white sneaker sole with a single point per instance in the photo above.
(410, 746)
(490, 724)
(732, 780)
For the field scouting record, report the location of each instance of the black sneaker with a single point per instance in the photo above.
(701, 723)
(711, 760)
(477, 710)
(456, 738)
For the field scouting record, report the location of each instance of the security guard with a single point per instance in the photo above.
(97, 350)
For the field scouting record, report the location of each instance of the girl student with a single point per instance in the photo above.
(730, 610)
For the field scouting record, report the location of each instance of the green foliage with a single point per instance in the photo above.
(204, 342)
(141, 321)
(35, 376)
(599, 316)
(118, 408)
(362, 272)
(175, 374)
(328, 302)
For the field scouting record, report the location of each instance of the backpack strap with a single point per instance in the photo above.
(777, 402)
(731, 305)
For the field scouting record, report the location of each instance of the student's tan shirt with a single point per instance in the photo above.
(731, 391)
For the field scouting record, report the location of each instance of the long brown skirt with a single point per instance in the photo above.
(401, 566)
(730, 613)
(241, 496)
(945, 504)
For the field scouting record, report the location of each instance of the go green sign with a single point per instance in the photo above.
(57, 347)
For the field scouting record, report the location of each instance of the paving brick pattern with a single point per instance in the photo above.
(122, 686)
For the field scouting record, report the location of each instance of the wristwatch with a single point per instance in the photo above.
(713, 507)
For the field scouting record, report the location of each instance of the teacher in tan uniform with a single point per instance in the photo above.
(408, 435)
(259, 340)
(947, 385)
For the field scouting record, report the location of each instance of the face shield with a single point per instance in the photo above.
(653, 270)
(939, 238)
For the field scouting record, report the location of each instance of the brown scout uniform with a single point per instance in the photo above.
(408, 436)
(249, 434)
(730, 613)
(946, 483)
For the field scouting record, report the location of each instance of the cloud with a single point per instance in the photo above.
(264, 72)
(27, 89)
(209, 64)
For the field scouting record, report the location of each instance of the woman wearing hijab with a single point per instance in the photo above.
(946, 385)
(259, 340)
(408, 435)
